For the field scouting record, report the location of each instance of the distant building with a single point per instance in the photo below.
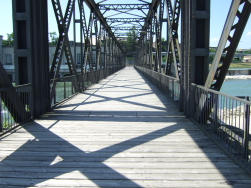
(243, 50)
(247, 59)
(7, 59)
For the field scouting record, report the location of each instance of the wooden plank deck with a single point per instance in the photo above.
(122, 132)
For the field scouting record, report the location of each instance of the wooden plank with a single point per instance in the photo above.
(123, 183)
(48, 169)
(120, 159)
(160, 165)
(117, 155)
(142, 143)
(75, 175)
(117, 149)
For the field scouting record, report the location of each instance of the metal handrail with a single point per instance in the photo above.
(226, 119)
(15, 106)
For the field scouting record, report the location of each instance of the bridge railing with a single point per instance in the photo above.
(169, 85)
(15, 106)
(226, 119)
(65, 86)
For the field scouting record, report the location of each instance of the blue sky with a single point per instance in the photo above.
(219, 11)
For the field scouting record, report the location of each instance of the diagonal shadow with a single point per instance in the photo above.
(110, 86)
(34, 165)
(46, 171)
(119, 99)
(122, 99)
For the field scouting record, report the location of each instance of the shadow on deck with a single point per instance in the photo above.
(122, 132)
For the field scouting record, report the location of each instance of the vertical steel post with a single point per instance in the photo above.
(74, 38)
(239, 11)
(185, 54)
(195, 46)
(32, 51)
(246, 131)
(151, 46)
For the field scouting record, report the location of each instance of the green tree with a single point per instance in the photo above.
(131, 41)
(212, 50)
(10, 40)
(53, 38)
(164, 44)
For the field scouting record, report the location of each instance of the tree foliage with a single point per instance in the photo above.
(131, 41)
(53, 38)
(164, 44)
(10, 40)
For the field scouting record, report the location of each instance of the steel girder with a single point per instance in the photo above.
(231, 33)
(148, 29)
(125, 28)
(93, 6)
(173, 49)
(84, 34)
(63, 44)
(96, 34)
(153, 24)
(91, 33)
(158, 31)
(153, 29)
(125, 20)
(194, 47)
(149, 41)
(30, 27)
(11, 99)
(123, 6)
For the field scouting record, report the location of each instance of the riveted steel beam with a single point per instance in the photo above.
(11, 99)
(231, 33)
(158, 30)
(95, 8)
(235, 24)
(195, 47)
(125, 28)
(30, 27)
(125, 20)
(63, 43)
(173, 46)
(123, 6)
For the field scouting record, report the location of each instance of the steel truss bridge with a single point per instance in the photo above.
(102, 28)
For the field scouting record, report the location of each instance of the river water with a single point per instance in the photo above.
(237, 87)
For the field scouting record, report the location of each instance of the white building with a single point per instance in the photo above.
(7, 58)
(247, 59)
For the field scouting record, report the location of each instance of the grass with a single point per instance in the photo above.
(6, 118)
(240, 65)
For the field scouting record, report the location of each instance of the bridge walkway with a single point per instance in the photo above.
(121, 132)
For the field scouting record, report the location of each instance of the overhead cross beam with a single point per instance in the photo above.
(93, 6)
(123, 6)
(150, 14)
(126, 28)
(125, 20)
(121, 34)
